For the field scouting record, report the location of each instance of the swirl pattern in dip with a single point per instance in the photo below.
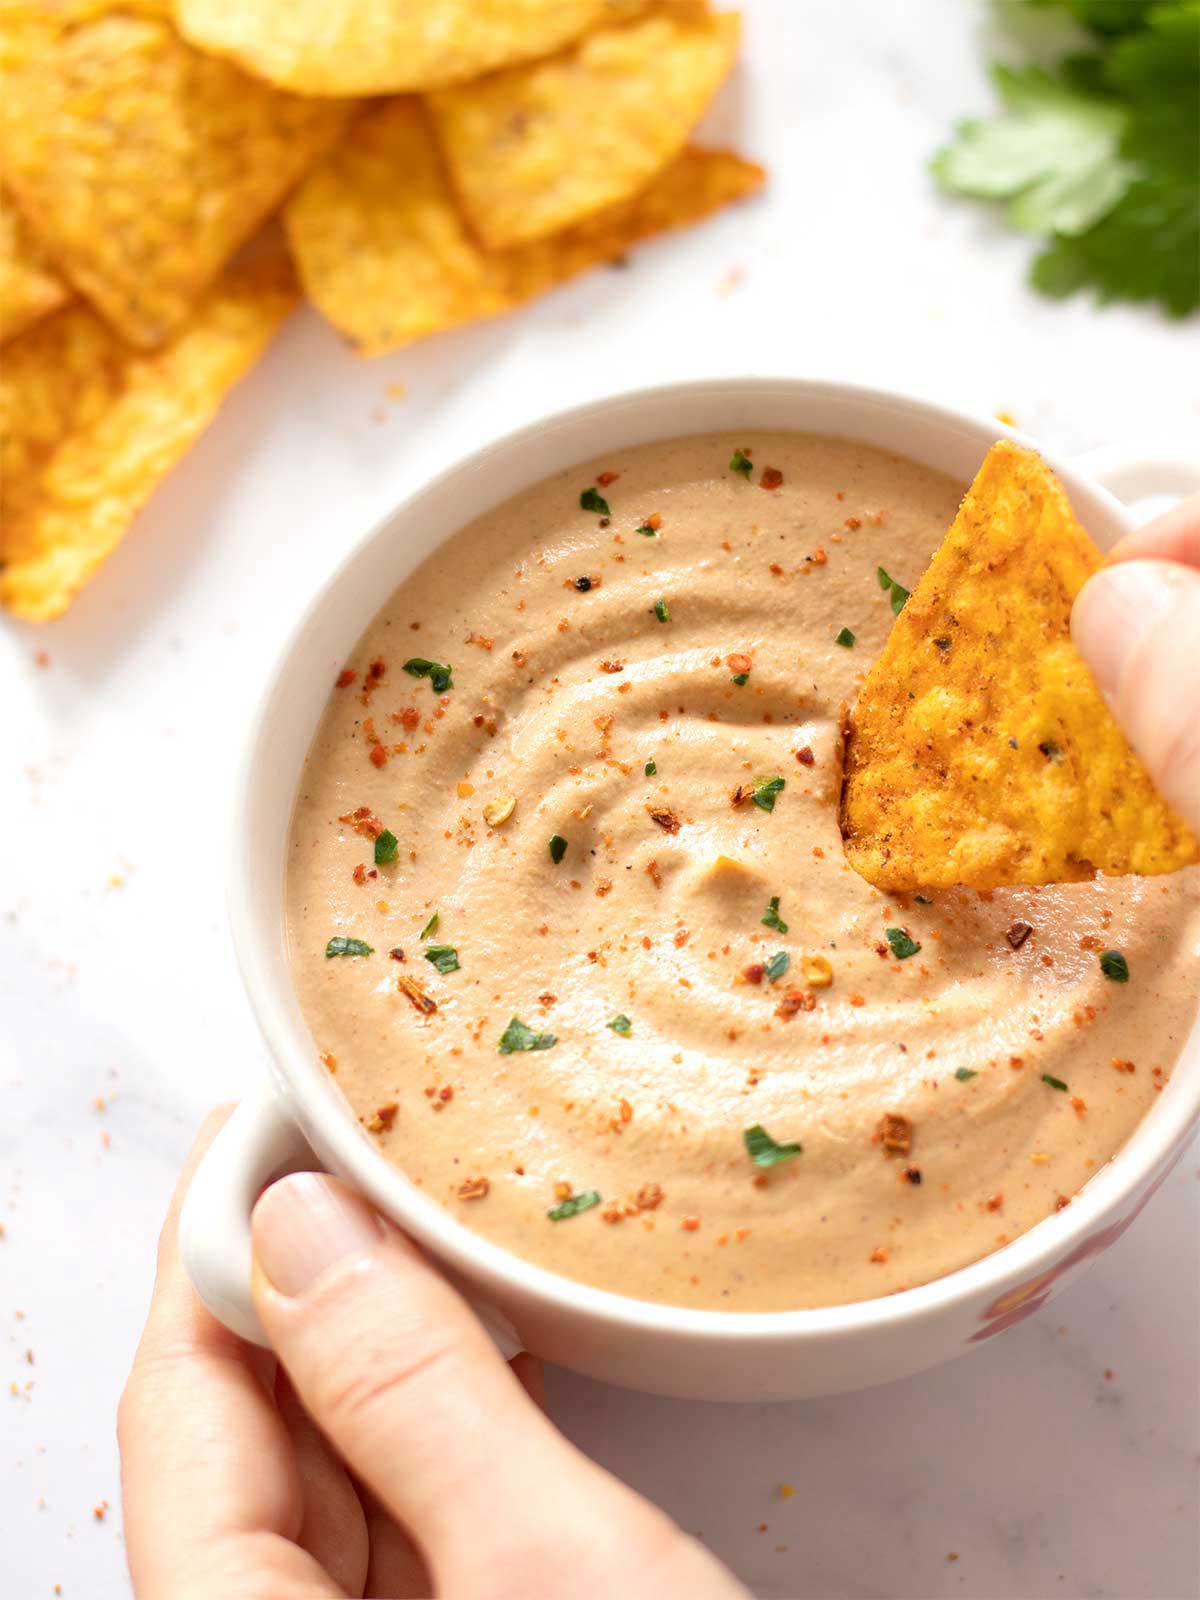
(636, 694)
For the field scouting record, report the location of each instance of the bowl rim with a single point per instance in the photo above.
(317, 1105)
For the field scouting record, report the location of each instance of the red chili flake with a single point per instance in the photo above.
(379, 755)
(805, 756)
(667, 820)
(818, 557)
(612, 666)
(654, 874)
(423, 1002)
(360, 873)
(852, 523)
(754, 973)
(605, 478)
(654, 522)
(649, 1197)
(775, 569)
(1018, 933)
(1062, 1202)
(741, 794)
(346, 677)
(793, 1001)
(383, 1118)
(771, 478)
(1122, 1065)
(994, 1202)
(681, 937)
(690, 1224)
(738, 663)
(364, 821)
(879, 1255)
(376, 670)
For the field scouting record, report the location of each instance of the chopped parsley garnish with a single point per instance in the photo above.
(651, 768)
(963, 1073)
(620, 1024)
(431, 925)
(898, 592)
(763, 1150)
(439, 676)
(661, 611)
(1114, 965)
(558, 847)
(645, 528)
(386, 846)
(339, 945)
(741, 679)
(902, 945)
(741, 462)
(778, 965)
(589, 500)
(517, 1036)
(443, 956)
(771, 917)
(765, 791)
(845, 638)
(573, 1205)
(1054, 1083)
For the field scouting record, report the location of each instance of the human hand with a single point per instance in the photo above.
(1137, 625)
(397, 1456)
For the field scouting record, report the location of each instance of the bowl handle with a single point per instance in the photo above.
(1147, 474)
(259, 1143)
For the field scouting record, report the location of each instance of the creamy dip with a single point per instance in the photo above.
(946, 1097)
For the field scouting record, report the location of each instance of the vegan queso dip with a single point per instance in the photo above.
(571, 923)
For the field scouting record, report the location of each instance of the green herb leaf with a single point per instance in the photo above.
(339, 945)
(647, 530)
(845, 638)
(519, 1037)
(764, 1151)
(1055, 1083)
(443, 956)
(897, 591)
(386, 846)
(777, 965)
(574, 1205)
(741, 679)
(620, 1024)
(558, 847)
(742, 463)
(431, 925)
(591, 500)
(902, 945)
(963, 1073)
(661, 611)
(771, 918)
(439, 676)
(651, 769)
(1114, 965)
(765, 791)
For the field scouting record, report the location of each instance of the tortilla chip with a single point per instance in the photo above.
(389, 262)
(980, 751)
(29, 288)
(143, 165)
(536, 149)
(383, 47)
(89, 427)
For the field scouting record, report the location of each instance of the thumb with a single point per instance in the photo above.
(1137, 625)
(400, 1376)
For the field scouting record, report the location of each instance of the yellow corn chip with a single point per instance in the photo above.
(980, 751)
(142, 165)
(357, 47)
(390, 261)
(29, 288)
(537, 148)
(89, 427)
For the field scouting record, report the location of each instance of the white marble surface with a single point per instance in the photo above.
(1059, 1460)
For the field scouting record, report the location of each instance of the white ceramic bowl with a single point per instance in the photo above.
(301, 1120)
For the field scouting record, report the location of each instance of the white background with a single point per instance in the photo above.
(1046, 1476)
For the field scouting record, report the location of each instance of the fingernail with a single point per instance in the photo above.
(307, 1223)
(1115, 611)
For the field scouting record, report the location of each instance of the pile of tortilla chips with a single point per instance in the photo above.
(980, 751)
(508, 145)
